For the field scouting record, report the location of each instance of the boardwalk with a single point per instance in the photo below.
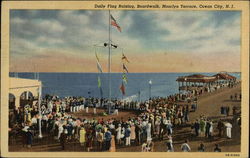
(208, 104)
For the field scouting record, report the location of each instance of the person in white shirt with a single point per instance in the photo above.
(185, 147)
(228, 129)
(50, 106)
(71, 108)
(63, 106)
(87, 109)
(127, 135)
(138, 105)
(144, 147)
(60, 130)
(111, 126)
(147, 105)
(82, 106)
(169, 144)
(34, 121)
(118, 134)
(25, 129)
(148, 129)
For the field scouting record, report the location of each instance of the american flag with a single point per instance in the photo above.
(114, 23)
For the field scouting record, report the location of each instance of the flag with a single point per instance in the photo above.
(124, 58)
(99, 67)
(125, 68)
(114, 23)
(122, 88)
(98, 64)
(124, 78)
(99, 82)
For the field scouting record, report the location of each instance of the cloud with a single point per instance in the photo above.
(74, 33)
(194, 32)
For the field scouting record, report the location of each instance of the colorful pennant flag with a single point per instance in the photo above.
(125, 68)
(99, 82)
(114, 23)
(98, 64)
(99, 67)
(122, 88)
(124, 78)
(124, 58)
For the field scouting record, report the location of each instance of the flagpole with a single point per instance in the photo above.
(109, 66)
(39, 110)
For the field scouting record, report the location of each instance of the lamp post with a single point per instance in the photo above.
(150, 84)
(39, 108)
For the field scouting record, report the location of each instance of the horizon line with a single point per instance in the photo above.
(129, 72)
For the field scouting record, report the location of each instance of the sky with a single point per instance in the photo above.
(153, 41)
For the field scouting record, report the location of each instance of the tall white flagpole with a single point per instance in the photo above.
(109, 67)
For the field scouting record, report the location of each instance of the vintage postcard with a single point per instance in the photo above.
(125, 79)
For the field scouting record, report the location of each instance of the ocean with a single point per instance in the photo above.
(86, 84)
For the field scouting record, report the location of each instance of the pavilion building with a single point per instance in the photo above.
(195, 83)
(22, 92)
(224, 78)
(198, 83)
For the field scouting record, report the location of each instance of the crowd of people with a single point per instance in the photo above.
(157, 120)
(203, 127)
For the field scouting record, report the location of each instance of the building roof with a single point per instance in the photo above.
(23, 83)
(224, 76)
(197, 78)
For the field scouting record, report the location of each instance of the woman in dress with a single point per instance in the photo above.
(211, 130)
(148, 129)
(82, 136)
(99, 138)
(157, 125)
(202, 127)
(118, 134)
(112, 147)
(60, 130)
(132, 136)
(89, 139)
